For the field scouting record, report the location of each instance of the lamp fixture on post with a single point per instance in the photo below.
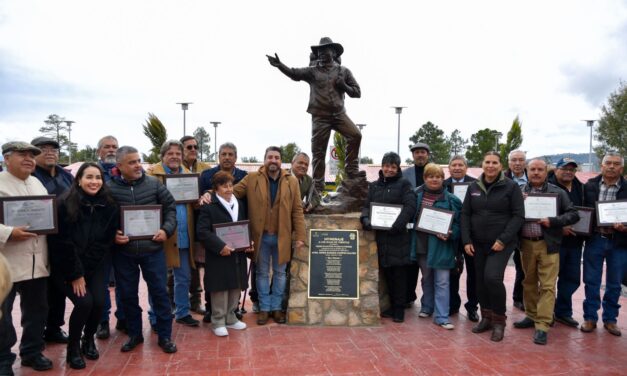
(69, 137)
(184, 107)
(215, 138)
(398, 111)
(590, 123)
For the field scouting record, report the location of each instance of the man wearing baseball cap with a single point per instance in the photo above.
(56, 180)
(569, 277)
(415, 174)
(27, 253)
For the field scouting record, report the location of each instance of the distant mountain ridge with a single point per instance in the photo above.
(580, 158)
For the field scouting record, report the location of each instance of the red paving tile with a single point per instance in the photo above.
(416, 347)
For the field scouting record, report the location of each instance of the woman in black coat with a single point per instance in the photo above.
(225, 269)
(492, 214)
(88, 220)
(393, 245)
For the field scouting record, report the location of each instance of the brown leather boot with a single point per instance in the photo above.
(498, 327)
(486, 322)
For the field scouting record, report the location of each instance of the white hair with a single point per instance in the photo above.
(509, 156)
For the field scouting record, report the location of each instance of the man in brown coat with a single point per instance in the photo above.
(276, 220)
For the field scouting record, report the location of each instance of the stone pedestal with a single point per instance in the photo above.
(336, 312)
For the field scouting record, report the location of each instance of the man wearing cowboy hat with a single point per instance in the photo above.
(328, 82)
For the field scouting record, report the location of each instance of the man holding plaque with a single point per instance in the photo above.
(276, 220)
(569, 277)
(134, 188)
(415, 175)
(607, 243)
(457, 168)
(179, 253)
(539, 249)
(27, 253)
(56, 180)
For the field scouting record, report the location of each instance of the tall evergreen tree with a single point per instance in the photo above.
(433, 136)
(204, 143)
(457, 142)
(514, 140)
(481, 142)
(611, 130)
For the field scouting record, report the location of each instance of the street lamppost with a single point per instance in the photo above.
(398, 111)
(184, 107)
(215, 138)
(361, 126)
(69, 137)
(590, 123)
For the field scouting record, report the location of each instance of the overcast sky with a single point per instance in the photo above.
(459, 64)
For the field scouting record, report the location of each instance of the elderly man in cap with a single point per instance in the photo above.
(27, 253)
(569, 277)
(328, 82)
(56, 180)
(420, 152)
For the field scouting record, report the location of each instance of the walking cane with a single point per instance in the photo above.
(240, 311)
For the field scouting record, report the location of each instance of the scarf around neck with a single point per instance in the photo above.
(231, 207)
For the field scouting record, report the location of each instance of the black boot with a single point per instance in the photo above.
(498, 327)
(486, 322)
(74, 357)
(399, 314)
(88, 347)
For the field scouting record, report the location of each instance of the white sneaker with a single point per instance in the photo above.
(447, 326)
(239, 325)
(220, 331)
(423, 315)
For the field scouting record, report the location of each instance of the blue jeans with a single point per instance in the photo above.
(441, 278)
(119, 312)
(269, 255)
(182, 280)
(568, 280)
(598, 249)
(153, 269)
(426, 282)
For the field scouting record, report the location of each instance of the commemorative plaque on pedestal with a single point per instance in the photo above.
(334, 279)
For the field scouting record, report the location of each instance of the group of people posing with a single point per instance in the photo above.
(76, 261)
(488, 227)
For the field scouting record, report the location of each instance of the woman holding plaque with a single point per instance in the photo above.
(225, 268)
(438, 247)
(492, 214)
(88, 220)
(393, 242)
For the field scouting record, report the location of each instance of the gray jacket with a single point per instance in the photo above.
(567, 216)
(146, 190)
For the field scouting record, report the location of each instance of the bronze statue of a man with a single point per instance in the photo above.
(328, 81)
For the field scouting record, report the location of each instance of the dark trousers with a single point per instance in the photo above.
(490, 270)
(320, 133)
(194, 287)
(154, 271)
(520, 276)
(396, 280)
(106, 311)
(254, 295)
(34, 307)
(56, 308)
(568, 280)
(87, 309)
(412, 282)
(471, 285)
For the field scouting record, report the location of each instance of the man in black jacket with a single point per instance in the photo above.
(607, 243)
(133, 187)
(517, 171)
(539, 249)
(457, 167)
(569, 277)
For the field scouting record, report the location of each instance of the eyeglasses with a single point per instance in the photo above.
(190, 147)
(49, 150)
